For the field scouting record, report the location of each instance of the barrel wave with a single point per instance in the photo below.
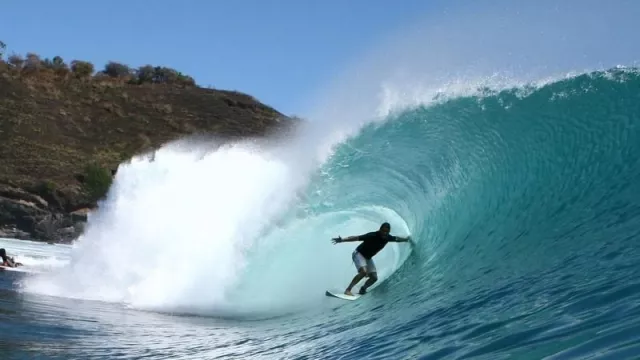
(527, 211)
(523, 202)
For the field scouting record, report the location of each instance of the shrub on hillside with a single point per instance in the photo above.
(161, 75)
(145, 74)
(54, 64)
(186, 80)
(97, 181)
(116, 70)
(16, 60)
(32, 63)
(165, 75)
(59, 66)
(82, 68)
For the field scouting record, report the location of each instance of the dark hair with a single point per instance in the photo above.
(385, 225)
(3, 252)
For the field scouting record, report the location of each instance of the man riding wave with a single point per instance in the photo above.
(372, 243)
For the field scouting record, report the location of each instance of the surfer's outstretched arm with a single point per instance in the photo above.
(347, 239)
(402, 239)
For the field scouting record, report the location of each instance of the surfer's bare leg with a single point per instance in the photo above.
(373, 277)
(362, 272)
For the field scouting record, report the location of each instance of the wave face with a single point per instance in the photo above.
(524, 204)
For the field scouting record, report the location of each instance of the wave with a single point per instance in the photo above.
(240, 230)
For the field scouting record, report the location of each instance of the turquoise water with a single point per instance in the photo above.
(524, 204)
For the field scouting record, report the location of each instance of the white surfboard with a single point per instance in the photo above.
(342, 295)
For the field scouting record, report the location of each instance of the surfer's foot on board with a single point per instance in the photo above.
(362, 291)
(348, 292)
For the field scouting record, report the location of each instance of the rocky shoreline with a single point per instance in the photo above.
(27, 216)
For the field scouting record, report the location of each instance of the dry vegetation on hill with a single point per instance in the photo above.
(65, 127)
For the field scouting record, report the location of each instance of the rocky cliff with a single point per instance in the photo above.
(65, 129)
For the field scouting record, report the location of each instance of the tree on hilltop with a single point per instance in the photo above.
(82, 68)
(147, 74)
(116, 70)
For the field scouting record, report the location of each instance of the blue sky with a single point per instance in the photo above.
(277, 51)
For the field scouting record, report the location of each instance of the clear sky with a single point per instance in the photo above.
(277, 51)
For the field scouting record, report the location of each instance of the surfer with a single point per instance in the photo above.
(372, 242)
(7, 261)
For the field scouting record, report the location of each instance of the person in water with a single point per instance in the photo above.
(7, 261)
(372, 243)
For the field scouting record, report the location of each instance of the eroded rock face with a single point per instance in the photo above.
(27, 216)
(14, 233)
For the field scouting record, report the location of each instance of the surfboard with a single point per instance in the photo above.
(341, 295)
(16, 269)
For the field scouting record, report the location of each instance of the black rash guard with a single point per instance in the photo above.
(372, 243)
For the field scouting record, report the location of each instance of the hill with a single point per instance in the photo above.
(64, 129)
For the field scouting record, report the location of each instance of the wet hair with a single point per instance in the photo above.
(385, 225)
(3, 253)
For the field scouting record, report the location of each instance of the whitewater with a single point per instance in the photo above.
(511, 161)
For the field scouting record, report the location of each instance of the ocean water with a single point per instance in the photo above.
(524, 203)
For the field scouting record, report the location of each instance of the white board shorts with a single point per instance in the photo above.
(360, 262)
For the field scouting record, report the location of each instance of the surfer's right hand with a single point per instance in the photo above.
(336, 240)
